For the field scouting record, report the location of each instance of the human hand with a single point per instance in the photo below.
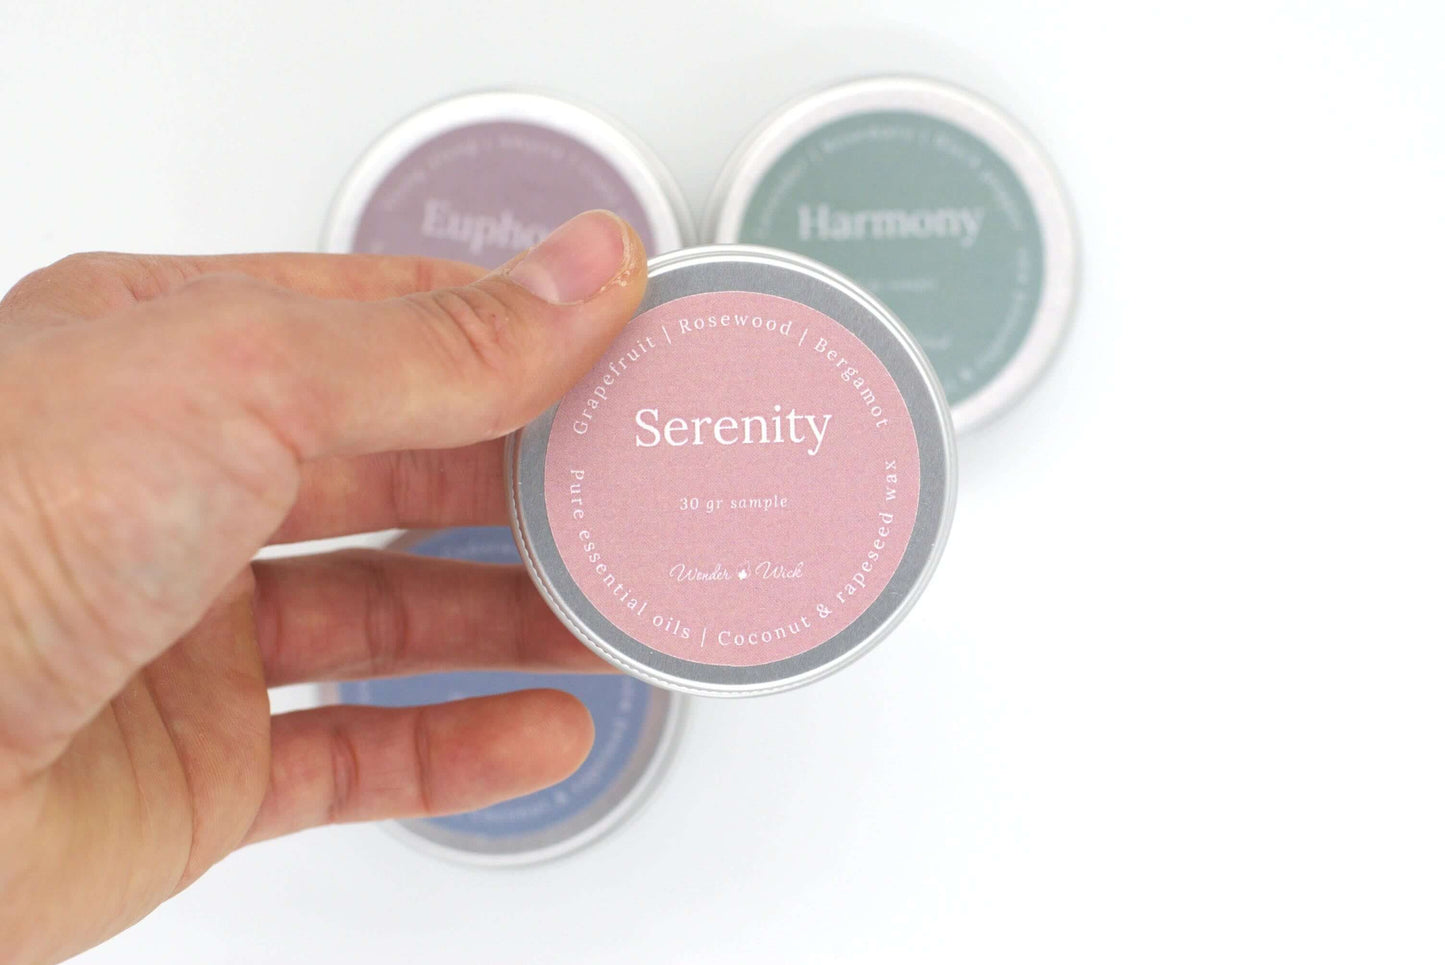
(162, 419)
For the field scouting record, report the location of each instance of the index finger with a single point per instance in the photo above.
(95, 284)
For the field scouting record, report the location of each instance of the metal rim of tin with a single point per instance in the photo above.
(630, 791)
(714, 268)
(747, 166)
(651, 182)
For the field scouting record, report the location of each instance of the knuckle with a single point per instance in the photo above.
(147, 277)
(492, 335)
(82, 271)
(97, 282)
(84, 265)
(425, 275)
(385, 622)
(345, 775)
(414, 484)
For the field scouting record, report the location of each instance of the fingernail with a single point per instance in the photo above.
(574, 262)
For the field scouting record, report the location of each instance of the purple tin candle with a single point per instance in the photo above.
(482, 177)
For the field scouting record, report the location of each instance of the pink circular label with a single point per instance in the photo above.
(735, 482)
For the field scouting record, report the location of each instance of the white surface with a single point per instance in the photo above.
(1176, 694)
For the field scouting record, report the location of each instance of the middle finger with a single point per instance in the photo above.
(365, 613)
(417, 489)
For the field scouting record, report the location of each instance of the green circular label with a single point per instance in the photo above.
(925, 215)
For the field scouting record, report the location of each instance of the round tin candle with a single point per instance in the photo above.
(750, 488)
(636, 726)
(482, 177)
(935, 201)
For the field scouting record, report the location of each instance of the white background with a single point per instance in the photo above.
(1175, 694)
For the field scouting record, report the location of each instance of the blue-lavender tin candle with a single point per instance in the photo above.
(636, 728)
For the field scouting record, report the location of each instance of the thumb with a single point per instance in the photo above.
(454, 365)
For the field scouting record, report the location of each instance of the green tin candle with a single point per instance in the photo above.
(935, 201)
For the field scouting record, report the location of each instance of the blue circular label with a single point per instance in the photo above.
(618, 704)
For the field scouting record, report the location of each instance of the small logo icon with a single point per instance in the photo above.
(743, 573)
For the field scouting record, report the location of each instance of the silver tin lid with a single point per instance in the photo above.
(664, 208)
(749, 269)
(745, 171)
(632, 751)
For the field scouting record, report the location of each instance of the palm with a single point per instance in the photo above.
(169, 778)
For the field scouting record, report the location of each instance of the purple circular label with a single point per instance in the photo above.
(487, 191)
